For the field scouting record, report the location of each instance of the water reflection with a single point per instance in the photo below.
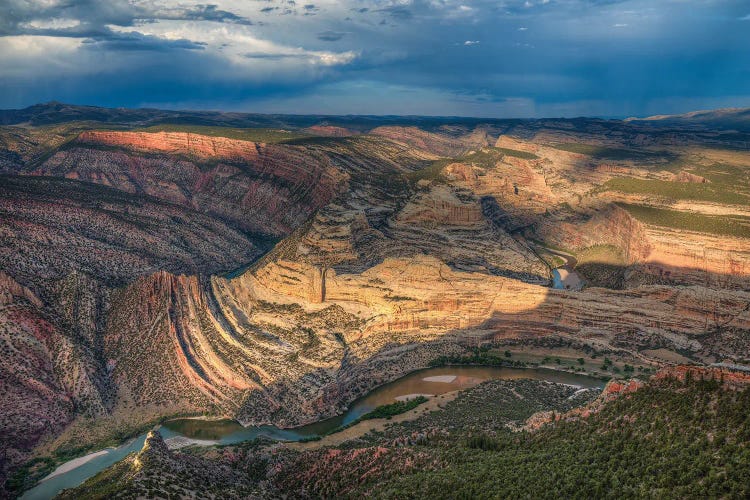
(432, 381)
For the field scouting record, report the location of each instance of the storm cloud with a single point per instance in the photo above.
(483, 58)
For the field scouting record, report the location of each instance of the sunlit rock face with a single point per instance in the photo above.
(148, 274)
(262, 188)
(443, 144)
(337, 328)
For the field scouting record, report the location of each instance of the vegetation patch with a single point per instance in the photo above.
(267, 135)
(517, 154)
(634, 447)
(732, 177)
(602, 266)
(600, 254)
(30, 474)
(382, 411)
(481, 356)
(488, 157)
(676, 190)
(393, 409)
(432, 172)
(617, 154)
(712, 224)
(610, 276)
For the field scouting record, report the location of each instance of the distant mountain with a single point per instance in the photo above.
(54, 112)
(723, 119)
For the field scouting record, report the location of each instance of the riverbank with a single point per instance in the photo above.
(75, 463)
(443, 382)
(376, 424)
(177, 442)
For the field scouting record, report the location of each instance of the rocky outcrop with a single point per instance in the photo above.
(683, 257)
(440, 206)
(612, 391)
(683, 176)
(170, 361)
(728, 378)
(232, 343)
(11, 290)
(517, 183)
(155, 471)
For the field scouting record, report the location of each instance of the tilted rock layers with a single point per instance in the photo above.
(437, 143)
(262, 188)
(289, 342)
(184, 143)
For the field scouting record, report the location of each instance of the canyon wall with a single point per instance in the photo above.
(233, 341)
(608, 225)
(261, 188)
(695, 258)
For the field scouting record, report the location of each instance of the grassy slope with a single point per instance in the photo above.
(713, 224)
(608, 153)
(267, 135)
(718, 193)
(602, 265)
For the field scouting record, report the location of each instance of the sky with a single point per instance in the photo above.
(502, 58)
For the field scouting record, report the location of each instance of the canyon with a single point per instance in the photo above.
(273, 277)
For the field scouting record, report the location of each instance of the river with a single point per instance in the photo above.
(431, 381)
(565, 277)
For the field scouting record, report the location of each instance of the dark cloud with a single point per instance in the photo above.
(397, 12)
(94, 16)
(138, 41)
(199, 13)
(331, 36)
(571, 58)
